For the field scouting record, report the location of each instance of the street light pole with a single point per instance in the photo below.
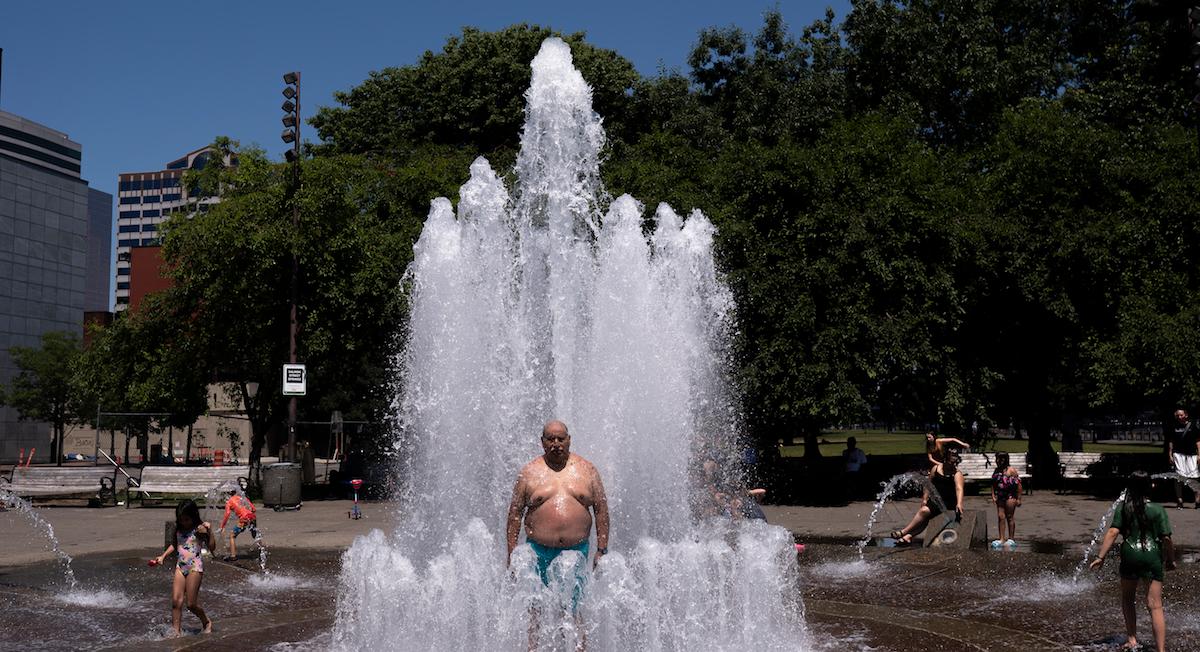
(291, 120)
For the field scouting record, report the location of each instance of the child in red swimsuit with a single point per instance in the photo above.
(247, 519)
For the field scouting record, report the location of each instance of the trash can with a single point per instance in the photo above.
(281, 484)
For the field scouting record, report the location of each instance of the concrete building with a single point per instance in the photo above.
(145, 200)
(47, 215)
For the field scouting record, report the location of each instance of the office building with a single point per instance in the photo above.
(45, 260)
(145, 200)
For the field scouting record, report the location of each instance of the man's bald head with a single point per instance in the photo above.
(556, 441)
(554, 426)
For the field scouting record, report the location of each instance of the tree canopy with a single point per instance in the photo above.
(930, 212)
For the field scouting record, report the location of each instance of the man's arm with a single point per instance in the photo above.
(516, 510)
(600, 507)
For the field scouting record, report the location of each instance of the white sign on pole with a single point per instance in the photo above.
(295, 380)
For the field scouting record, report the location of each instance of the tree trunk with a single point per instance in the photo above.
(57, 449)
(1041, 453)
(187, 455)
(171, 444)
(812, 447)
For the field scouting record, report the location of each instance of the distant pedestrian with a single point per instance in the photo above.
(1006, 495)
(853, 459)
(1181, 455)
(191, 536)
(1146, 550)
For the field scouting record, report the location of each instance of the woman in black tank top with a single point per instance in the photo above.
(947, 485)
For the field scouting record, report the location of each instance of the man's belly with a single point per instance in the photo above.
(559, 523)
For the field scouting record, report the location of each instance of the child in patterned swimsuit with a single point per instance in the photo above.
(190, 533)
(1006, 494)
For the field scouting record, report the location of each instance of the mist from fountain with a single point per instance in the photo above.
(553, 303)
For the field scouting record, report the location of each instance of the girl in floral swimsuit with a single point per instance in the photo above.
(190, 534)
(1006, 494)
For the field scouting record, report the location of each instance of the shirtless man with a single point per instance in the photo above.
(552, 496)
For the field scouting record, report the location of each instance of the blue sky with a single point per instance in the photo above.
(140, 83)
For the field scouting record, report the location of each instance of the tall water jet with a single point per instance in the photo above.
(552, 303)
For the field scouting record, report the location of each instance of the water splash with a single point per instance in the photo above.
(25, 508)
(1097, 534)
(890, 488)
(553, 303)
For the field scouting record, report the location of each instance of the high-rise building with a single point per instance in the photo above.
(45, 259)
(145, 200)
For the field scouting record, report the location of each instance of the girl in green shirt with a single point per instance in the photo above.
(1145, 551)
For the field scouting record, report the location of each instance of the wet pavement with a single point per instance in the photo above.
(898, 599)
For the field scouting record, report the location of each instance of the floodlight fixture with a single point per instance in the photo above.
(288, 106)
(289, 120)
(288, 135)
(291, 77)
(289, 92)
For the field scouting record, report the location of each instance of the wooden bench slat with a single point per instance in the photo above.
(57, 481)
(184, 480)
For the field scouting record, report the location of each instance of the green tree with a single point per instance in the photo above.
(41, 390)
(231, 269)
(469, 95)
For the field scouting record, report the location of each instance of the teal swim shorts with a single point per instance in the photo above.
(546, 555)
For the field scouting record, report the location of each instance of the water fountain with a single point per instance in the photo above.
(44, 527)
(552, 303)
(1097, 535)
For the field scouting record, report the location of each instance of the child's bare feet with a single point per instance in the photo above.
(1131, 644)
(207, 627)
(175, 633)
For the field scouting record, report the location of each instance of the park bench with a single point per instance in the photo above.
(192, 481)
(60, 482)
(1080, 466)
(979, 467)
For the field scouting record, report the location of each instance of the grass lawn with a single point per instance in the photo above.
(881, 442)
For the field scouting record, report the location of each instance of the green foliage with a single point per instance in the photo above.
(932, 212)
(41, 389)
(470, 95)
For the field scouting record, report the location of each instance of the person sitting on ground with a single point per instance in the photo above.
(935, 447)
(947, 483)
(1006, 495)
(721, 495)
(1146, 551)
(247, 519)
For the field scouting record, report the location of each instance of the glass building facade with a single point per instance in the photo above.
(48, 218)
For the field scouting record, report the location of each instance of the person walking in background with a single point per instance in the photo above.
(1006, 495)
(1181, 455)
(1146, 551)
(853, 459)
